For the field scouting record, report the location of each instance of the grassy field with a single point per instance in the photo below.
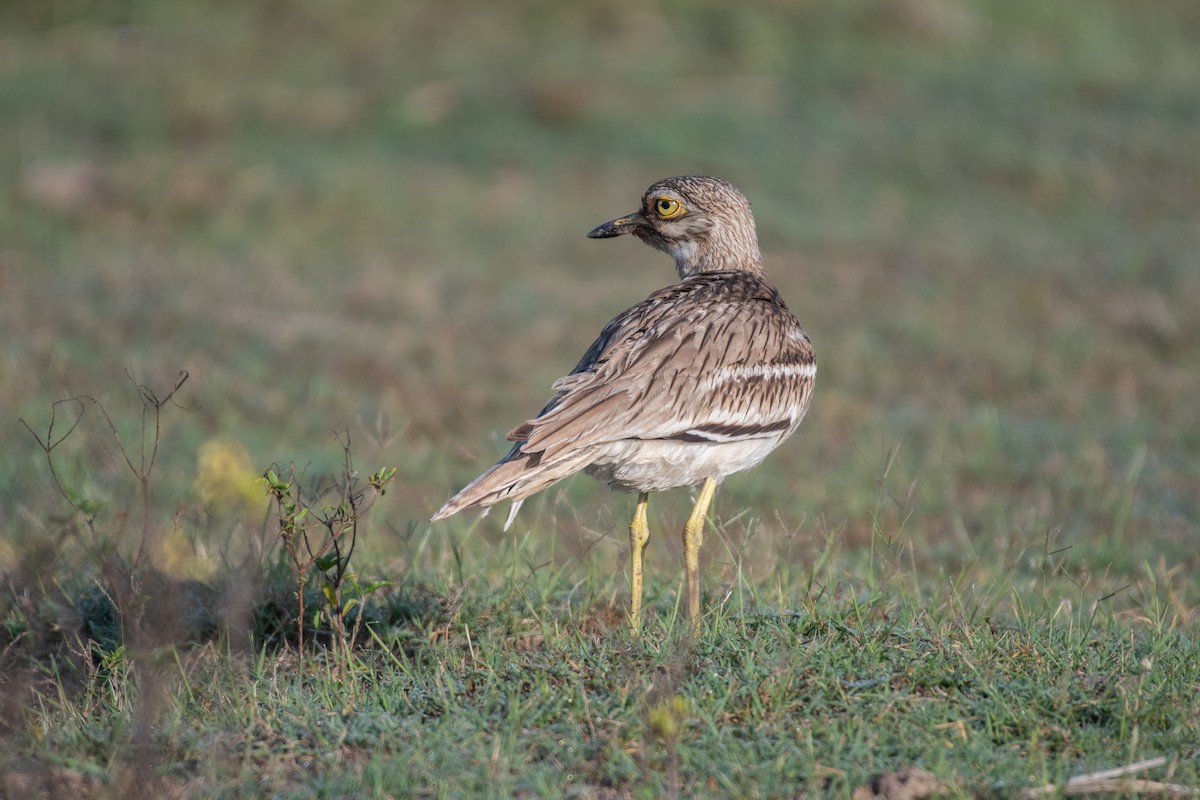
(365, 224)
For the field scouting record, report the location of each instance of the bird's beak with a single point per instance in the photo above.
(618, 226)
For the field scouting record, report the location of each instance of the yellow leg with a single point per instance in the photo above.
(639, 534)
(693, 537)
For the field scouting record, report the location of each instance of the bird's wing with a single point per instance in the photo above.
(717, 357)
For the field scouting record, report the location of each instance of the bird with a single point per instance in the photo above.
(700, 380)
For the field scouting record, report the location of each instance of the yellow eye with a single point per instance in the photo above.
(668, 208)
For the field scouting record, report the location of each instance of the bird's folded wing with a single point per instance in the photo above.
(719, 370)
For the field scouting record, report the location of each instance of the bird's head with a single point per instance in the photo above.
(704, 223)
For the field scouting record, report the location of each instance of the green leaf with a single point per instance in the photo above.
(382, 478)
(89, 506)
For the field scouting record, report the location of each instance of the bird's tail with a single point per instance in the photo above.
(517, 476)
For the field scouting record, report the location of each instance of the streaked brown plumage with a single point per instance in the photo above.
(700, 380)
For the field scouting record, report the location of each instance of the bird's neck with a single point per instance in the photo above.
(692, 259)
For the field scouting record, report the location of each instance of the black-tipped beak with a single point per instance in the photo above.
(618, 226)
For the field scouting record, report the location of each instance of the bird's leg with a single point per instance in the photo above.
(639, 534)
(693, 537)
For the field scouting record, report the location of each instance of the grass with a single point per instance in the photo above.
(511, 695)
(975, 557)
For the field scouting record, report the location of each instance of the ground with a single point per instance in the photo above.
(974, 558)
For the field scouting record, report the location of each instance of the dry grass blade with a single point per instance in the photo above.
(1112, 781)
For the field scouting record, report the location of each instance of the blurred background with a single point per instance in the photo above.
(370, 217)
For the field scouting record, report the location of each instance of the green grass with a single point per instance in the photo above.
(976, 556)
(512, 695)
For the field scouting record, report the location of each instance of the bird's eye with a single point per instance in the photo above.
(668, 208)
